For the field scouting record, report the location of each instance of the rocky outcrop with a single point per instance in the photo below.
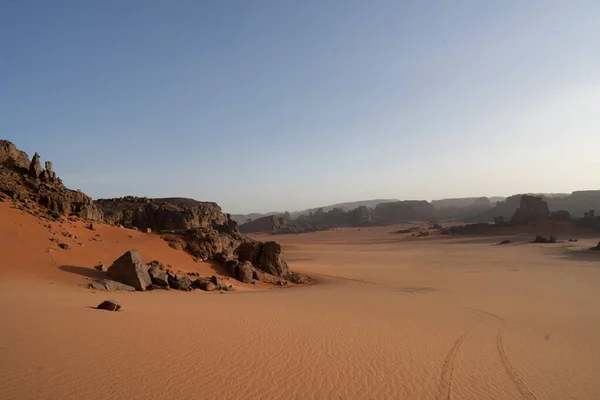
(531, 209)
(168, 214)
(362, 216)
(129, 269)
(267, 257)
(269, 224)
(24, 180)
(35, 169)
(13, 158)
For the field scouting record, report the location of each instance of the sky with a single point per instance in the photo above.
(285, 105)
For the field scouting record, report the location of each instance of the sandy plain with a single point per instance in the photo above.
(390, 317)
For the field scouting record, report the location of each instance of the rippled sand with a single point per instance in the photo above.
(390, 318)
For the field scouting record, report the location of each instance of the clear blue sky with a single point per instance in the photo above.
(275, 105)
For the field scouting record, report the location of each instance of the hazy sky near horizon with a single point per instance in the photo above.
(285, 105)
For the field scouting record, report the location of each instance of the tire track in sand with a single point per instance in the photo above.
(445, 386)
(522, 388)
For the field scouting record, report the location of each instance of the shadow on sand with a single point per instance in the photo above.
(582, 255)
(83, 271)
(219, 268)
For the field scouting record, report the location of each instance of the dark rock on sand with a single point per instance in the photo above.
(544, 239)
(130, 270)
(109, 305)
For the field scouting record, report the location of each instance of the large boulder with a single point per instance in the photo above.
(158, 276)
(181, 283)
(129, 269)
(245, 272)
(271, 260)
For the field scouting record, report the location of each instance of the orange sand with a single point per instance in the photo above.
(390, 318)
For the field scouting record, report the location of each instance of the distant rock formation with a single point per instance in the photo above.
(404, 211)
(560, 215)
(531, 209)
(269, 224)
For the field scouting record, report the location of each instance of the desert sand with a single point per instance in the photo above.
(390, 317)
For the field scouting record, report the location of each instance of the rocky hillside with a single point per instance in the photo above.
(199, 228)
(25, 181)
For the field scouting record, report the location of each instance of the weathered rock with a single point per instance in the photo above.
(204, 284)
(35, 169)
(13, 158)
(64, 246)
(109, 305)
(257, 274)
(181, 283)
(219, 283)
(107, 284)
(271, 260)
(130, 270)
(245, 272)
(158, 276)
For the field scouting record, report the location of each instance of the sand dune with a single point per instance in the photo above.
(390, 318)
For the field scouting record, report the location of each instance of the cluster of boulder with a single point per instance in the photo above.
(129, 273)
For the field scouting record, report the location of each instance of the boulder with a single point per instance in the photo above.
(158, 276)
(107, 284)
(544, 239)
(109, 305)
(64, 246)
(245, 272)
(271, 260)
(130, 270)
(204, 284)
(181, 283)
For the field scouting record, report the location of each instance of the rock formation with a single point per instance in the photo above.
(531, 209)
(404, 211)
(35, 169)
(24, 180)
(269, 224)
